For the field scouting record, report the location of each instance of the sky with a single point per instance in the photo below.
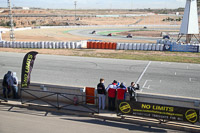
(97, 4)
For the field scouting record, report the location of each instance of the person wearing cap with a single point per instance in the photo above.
(111, 89)
(132, 91)
(101, 94)
(15, 86)
(121, 92)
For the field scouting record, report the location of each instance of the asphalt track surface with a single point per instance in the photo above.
(21, 120)
(179, 79)
(87, 33)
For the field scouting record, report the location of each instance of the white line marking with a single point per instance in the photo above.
(175, 73)
(143, 73)
(160, 81)
(145, 87)
(190, 79)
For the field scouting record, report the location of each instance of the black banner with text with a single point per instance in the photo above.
(27, 67)
(158, 111)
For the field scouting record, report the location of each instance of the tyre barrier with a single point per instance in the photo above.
(136, 46)
(44, 45)
(103, 45)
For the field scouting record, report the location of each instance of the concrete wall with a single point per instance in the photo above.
(142, 97)
(44, 89)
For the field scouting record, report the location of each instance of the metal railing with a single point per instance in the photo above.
(1, 98)
(59, 104)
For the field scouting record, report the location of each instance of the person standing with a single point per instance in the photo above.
(111, 89)
(15, 86)
(6, 84)
(132, 91)
(101, 94)
(121, 92)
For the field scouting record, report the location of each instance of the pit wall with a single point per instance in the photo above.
(141, 97)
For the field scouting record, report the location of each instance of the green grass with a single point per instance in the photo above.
(147, 57)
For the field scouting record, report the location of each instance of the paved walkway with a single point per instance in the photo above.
(106, 116)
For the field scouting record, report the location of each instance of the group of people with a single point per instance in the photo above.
(115, 90)
(10, 83)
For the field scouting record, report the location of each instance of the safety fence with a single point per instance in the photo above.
(62, 101)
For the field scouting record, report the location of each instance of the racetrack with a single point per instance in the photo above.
(179, 79)
(99, 35)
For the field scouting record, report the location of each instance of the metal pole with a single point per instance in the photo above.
(12, 36)
(75, 3)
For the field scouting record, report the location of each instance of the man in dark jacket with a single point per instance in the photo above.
(6, 84)
(101, 94)
(132, 91)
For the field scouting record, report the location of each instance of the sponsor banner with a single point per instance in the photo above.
(27, 67)
(158, 111)
(185, 48)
